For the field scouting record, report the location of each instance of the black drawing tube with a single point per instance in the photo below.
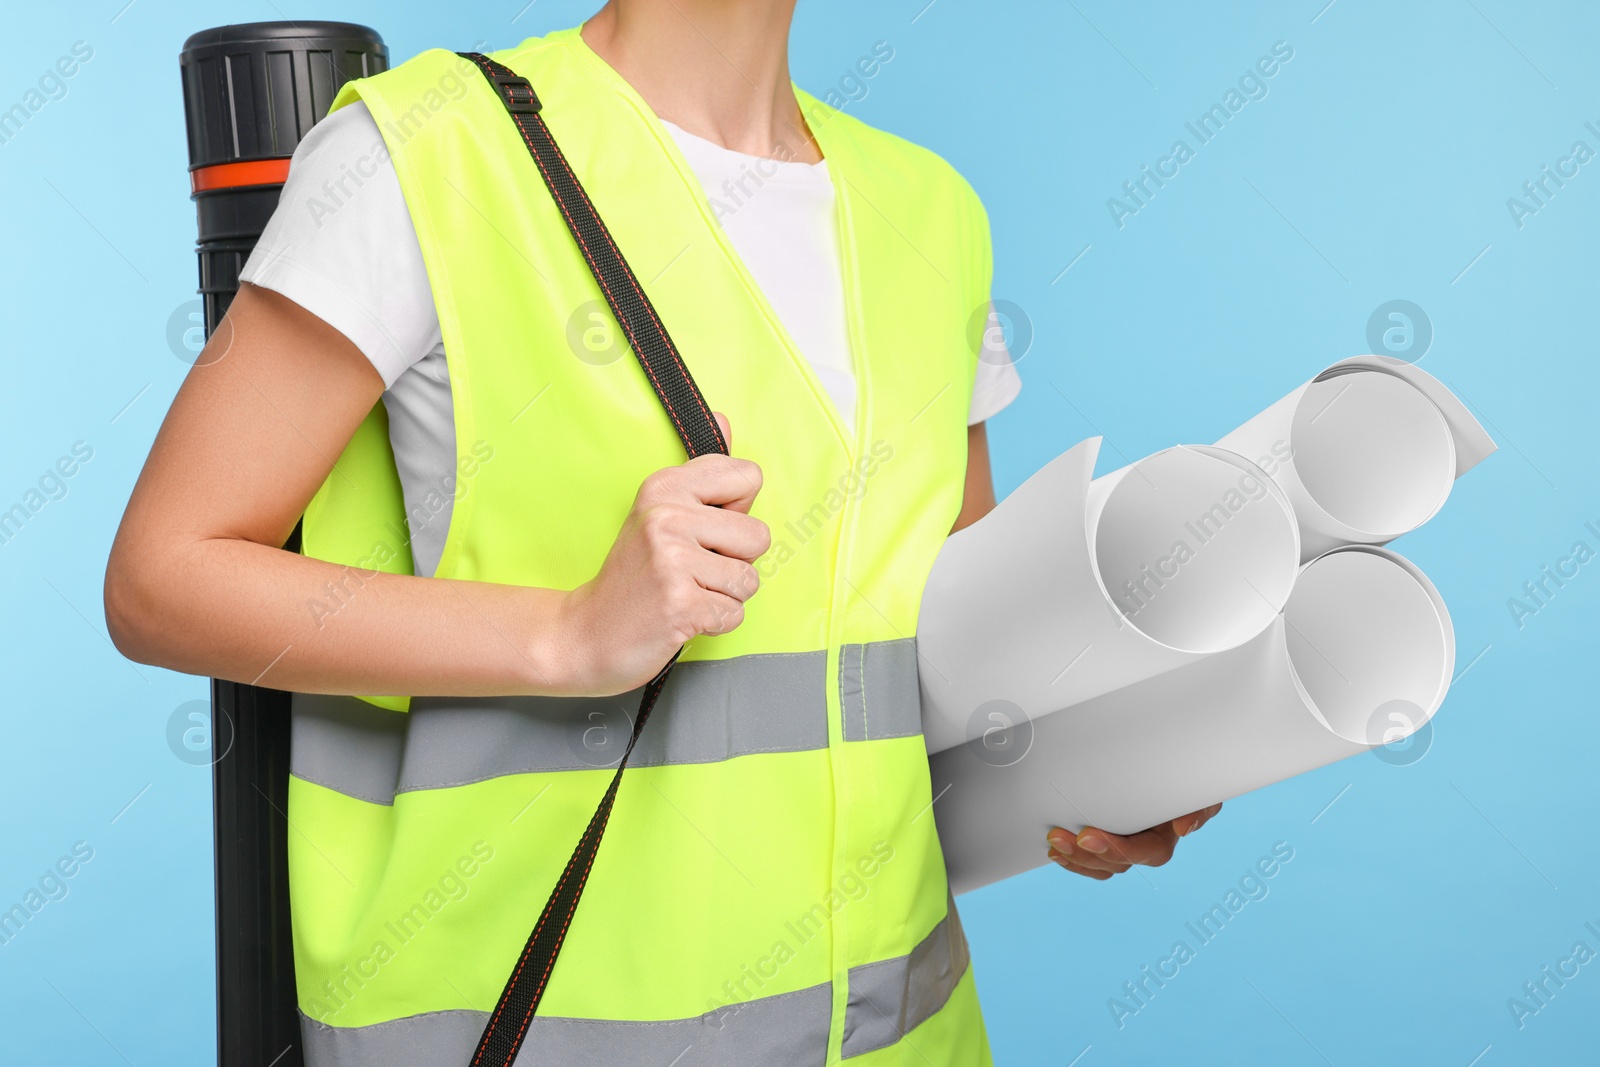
(250, 93)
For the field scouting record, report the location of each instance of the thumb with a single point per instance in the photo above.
(725, 427)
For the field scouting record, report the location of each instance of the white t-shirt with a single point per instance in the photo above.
(342, 246)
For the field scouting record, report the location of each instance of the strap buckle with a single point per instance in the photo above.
(517, 94)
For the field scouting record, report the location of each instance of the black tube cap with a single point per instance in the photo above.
(252, 91)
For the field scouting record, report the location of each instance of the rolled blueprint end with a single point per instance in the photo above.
(1370, 645)
(1361, 657)
(1366, 451)
(1070, 589)
(1195, 546)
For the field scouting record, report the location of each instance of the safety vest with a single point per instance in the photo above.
(771, 888)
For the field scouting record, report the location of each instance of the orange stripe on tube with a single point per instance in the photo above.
(231, 175)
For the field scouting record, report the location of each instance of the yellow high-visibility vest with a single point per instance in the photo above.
(771, 888)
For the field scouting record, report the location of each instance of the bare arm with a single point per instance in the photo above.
(978, 499)
(197, 581)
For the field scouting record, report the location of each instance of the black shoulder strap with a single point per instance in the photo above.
(691, 417)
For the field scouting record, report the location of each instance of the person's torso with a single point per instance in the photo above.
(779, 219)
(770, 887)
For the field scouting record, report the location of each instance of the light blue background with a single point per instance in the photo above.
(1378, 167)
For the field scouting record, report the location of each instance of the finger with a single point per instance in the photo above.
(733, 578)
(717, 613)
(726, 427)
(1090, 862)
(715, 479)
(1093, 863)
(1151, 847)
(1185, 825)
(722, 481)
(1064, 844)
(1066, 864)
(731, 534)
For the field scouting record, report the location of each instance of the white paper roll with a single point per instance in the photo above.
(1072, 588)
(1362, 655)
(1366, 451)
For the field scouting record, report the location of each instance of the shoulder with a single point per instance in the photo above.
(926, 200)
(438, 76)
(893, 161)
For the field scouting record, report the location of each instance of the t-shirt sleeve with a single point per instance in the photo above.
(341, 245)
(996, 382)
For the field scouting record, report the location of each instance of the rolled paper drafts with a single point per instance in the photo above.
(1366, 451)
(1361, 656)
(1074, 587)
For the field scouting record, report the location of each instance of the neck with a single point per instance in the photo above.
(716, 68)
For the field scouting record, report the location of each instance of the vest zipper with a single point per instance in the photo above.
(839, 596)
(852, 440)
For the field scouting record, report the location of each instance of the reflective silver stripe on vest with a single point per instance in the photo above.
(710, 710)
(890, 998)
(887, 1000)
(789, 1028)
(878, 690)
(346, 744)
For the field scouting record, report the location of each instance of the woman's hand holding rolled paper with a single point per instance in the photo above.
(1098, 854)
